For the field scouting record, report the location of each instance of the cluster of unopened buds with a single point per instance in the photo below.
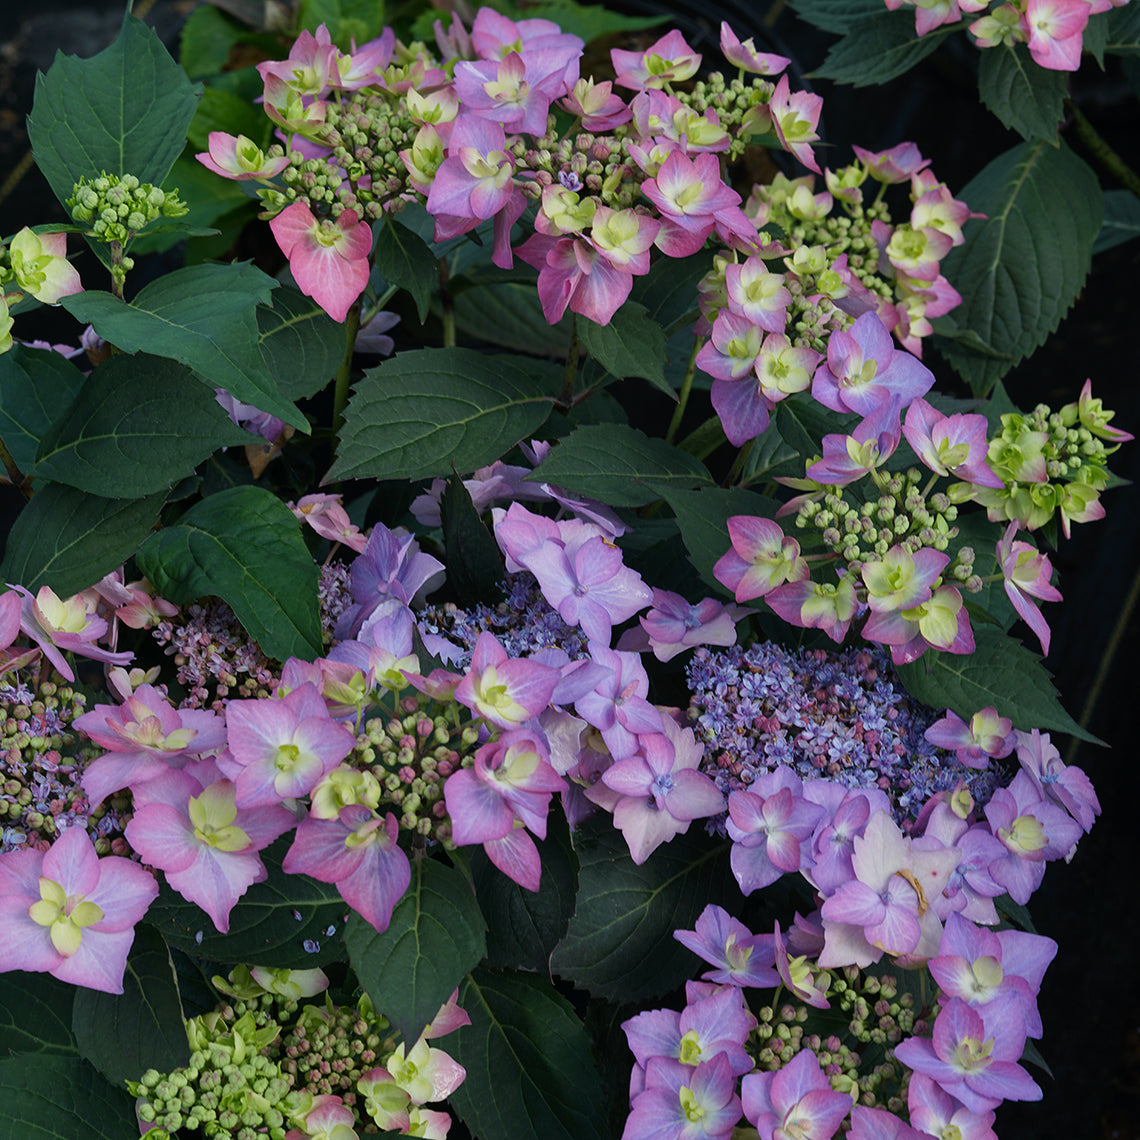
(1054, 30)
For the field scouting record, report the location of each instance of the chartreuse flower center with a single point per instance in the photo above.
(693, 1110)
(689, 1052)
(213, 814)
(66, 917)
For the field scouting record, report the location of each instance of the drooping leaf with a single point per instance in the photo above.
(125, 1034)
(836, 15)
(140, 424)
(432, 411)
(619, 465)
(434, 938)
(508, 314)
(1123, 31)
(539, 1080)
(1026, 97)
(243, 545)
(124, 111)
(880, 48)
(1000, 673)
(57, 1097)
(222, 110)
(68, 539)
(668, 292)
(36, 384)
(475, 566)
(405, 259)
(703, 518)
(632, 344)
(1121, 222)
(620, 941)
(523, 927)
(301, 344)
(35, 1014)
(289, 921)
(1021, 269)
(203, 316)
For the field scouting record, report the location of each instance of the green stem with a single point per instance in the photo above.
(447, 306)
(1102, 152)
(738, 464)
(18, 479)
(566, 397)
(344, 372)
(686, 388)
(118, 273)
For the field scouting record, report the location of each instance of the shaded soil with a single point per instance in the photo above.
(1090, 1006)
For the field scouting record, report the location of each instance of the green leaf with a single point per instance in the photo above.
(1026, 97)
(67, 539)
(475, 566)
(534, 1077)
(1095, 40)
(703, 518)
(125, 1034)
(632, 344)
(1121, 223)
(207, 37)
(1000, 673)
(879, 49)
(35, 383)
(35, 1014)
(1021, 269)
(243, 545)
(269, 926)
(836, 15)
(590, 21)
(619, 465)
(432, 411)
(523, 927)
(45, 1097)
(405, 259)
(620, 941)
(509, 314)
(139, 425)
(301, 344)
(203, 316)
(222, 110)
(434, 938)
(124, 111)
(347, 20)
(668, 292)
(1123, 31)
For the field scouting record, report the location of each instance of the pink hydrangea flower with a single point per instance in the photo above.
(239, 158)
(797, 1100)
(69, 913)
(64, 625)
(328, 259)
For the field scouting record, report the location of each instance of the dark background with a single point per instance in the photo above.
(1090, 1001)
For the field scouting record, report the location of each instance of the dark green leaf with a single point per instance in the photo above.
(836, 15)
(434, 938)
(590, 21)
(222, 110)
(879, 49)
(770, 456)
(124, 111)
(46, 1097)
(632, 344)
(432, 411)
(68, 540)
(283, 921)
(243, 545)
(523, 927)
(139, 425)
(475, 566)
(35, 386)
(207, 37)
(1021, 269)
(703, 518)
(203, 316)
(347, 20)
(1095, 40)
(1123, 31)
(35, 1014)
(803, 422)
(302, 345)
(1026, 97)
(405, 259)
(620, 941)
(125, 1034)
(533, 1075)
(1121, 221)
(668, 291)
(1001, 673)
(975, 530)
(509, 314)
(619, 465)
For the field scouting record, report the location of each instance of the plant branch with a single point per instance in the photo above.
(344, 372)
(1102, 152)
(686, 389)
(18, 479)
